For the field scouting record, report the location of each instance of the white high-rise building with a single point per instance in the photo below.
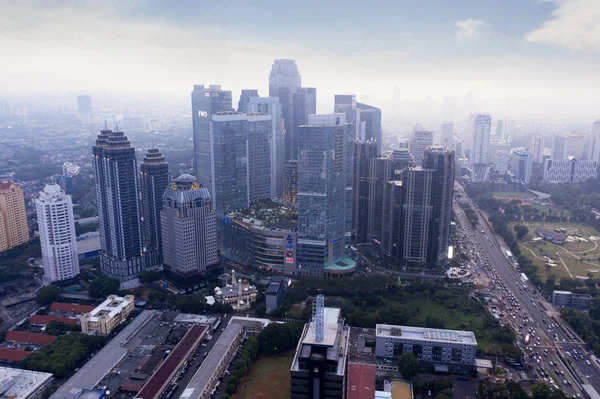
(57, 234)
(419, 141)
(447, 135)
(559, 147)
(592, 150)
(508, 130)
(521, 162)
(537, 148)
(479, 127)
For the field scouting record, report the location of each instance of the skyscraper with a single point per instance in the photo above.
(304, 103)
(346, 103)
(419, 141)
(537, 148)
(370, 119)
(245, 97)
(559, 147)
(205, 103)
(58, 241)
(324, 209)
(13, 217)
(364, 152)
(391, 227)
(521, 162)
(84, 108)
(447, 135)
(241, 159)
(401, 159)
(290, 182)
(592, 151)
(189, 232)
(284, 81)
(272, 107)
(154, 179)
(115, 175)
(479, 126)
(508, 130)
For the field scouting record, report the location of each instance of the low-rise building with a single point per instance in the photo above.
(275, 293)
(240, 294)
(570, 170)
(23, 384)
(571, 300)
(106, 316)
(444, 349)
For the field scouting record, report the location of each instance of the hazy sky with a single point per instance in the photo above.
(529, 49)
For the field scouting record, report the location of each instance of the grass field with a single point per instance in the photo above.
(269, 378)
(572, 258)
(511, 194)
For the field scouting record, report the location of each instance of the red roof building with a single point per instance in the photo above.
(361, 381)
(12, 355)
(29, 338)
(71, 307)
(45, 320)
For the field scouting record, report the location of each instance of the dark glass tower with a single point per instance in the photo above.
(245, 97)
(304, 104)
(371, 117)
(206, 101)
(154, 179)
(115, 173)
(363, 153)
(284, 81)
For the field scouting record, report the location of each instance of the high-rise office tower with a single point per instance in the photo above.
(458, 149)
(324, 206)
(501, 161)
(401, 159)
(13, 217)
(380, 172)
(499, 124)
(206, 101)
(447, 135)
(508, 130)
(290, 181)
(592, 150)
(479, 126)
(154, 179)
(391, 226)
(559, 147)
(115, 175)
(364, 152)
(346, 103)
(241, 159)
(370, 119)
(245, 97)
(189, 232)
(84, 108)
(419, 141)
(272, 107)
(58, 240)
(521, 162)
(304, 103)
(537, 148)
(284, 81)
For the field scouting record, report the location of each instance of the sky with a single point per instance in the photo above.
(538, 50)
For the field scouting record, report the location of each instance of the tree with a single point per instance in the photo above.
(103, 286)
(47, 295)
(150, 276)
(408, 366)
(521, 231)
(540, 390)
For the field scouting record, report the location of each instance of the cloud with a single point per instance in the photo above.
(468, 29)
(575, 25)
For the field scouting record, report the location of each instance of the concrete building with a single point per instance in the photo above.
(592, 151)
(346, 104)
(444, 349)
(370, 124)
(391, 229)
(559, 147)
(537, 148)
(521, 162)
(401, 159)
(239, 294)
(569, 170)
(290, 182)
(108, 315)
(154, 179)
(241, 159)
(447, 135)
(188, 224)
(13, 217)
(325, 196)
(245, 97)
(275, 293)
(320, 362)
(478, 128)
(57, 234)
(571, 300)
(23, 384)
(117, 199)
(501, 161)
(206, 101)
(304, 103)
(84, 108)
(419, 141)
(364, 154)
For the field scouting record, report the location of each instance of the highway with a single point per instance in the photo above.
(566, 361)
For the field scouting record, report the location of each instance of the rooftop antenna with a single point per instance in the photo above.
(105, 125)
(318, 317)
(116, 126)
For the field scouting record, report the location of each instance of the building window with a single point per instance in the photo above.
(398, 348)
(456, 355)
(417, 350)
(436, 353)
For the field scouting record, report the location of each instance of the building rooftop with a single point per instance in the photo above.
(426, 334)
(13, 355)
(194, 318)
(273, 288)
(29, 338)
(330, 329)
(71, 307)
(112, 306)
(21, 384)
(42, 319)
(559, 292)
(361, 381)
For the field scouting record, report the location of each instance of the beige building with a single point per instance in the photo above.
(106, 316)
(13, 218)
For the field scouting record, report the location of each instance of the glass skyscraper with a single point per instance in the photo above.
(304, 104)
(245, 97)
(206, 101)
(284, 81)
(370, 119)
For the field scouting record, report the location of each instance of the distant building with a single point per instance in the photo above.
(478, 127)
(521, 162)
(401, 159)
(501, 161)
(364, 154)
(537, 148)
(370, 124)
(320, 363)
(419, 141)
(551, 235)
(57, 234)
(444, 349)
(188, 228)
(84, 108)
(304, 103)
(13, 217)
(571, 300)
(154, 125)
(569, 170)
(447, 135)
(23, 384)
(592, 149)
(290, 181)
(108, 315)
(559, 147)
(346, 104)
(245, 97)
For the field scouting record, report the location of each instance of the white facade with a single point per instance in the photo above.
(501, 160)
(569, 170)
(57, 234)
(521, 162)
(479, 125)
(447, 134)
(537, 148)
(559, 147)
(419, 141)
(592, 151)
(23, 384)
(508, 129)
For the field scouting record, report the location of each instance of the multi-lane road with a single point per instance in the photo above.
(554, 351)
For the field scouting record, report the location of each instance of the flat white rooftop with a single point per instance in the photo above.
(112, 306)
(426, 334)
(19, 384)
(330, 328)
